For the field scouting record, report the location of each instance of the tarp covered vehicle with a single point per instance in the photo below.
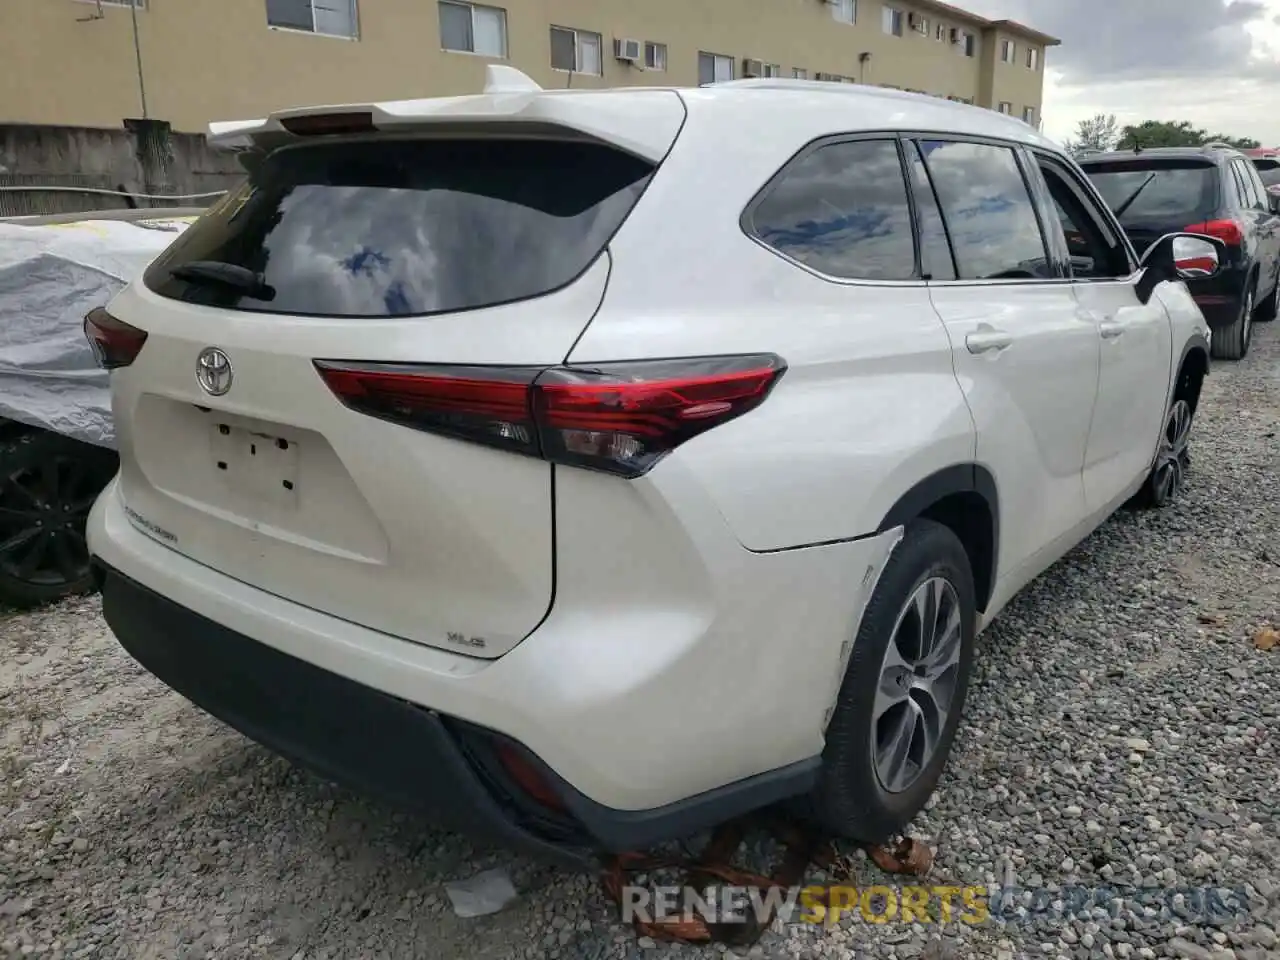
(56, 435)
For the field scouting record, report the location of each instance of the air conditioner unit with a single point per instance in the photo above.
(955, 35)
(917, 23)
(626, 49)
(752, 68)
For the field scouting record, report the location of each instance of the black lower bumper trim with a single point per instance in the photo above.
(385, 747)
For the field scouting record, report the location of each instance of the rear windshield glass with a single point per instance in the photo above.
(1176, 191)
(407, 227)
(1269, 171)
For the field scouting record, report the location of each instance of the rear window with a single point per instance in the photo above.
(1179, 191)
(1269, 171)
(405, 227)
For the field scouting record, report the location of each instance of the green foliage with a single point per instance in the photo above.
(1180, 133)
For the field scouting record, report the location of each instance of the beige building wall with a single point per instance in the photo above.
(203, 60)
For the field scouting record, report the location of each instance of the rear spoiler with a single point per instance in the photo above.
(643, 122)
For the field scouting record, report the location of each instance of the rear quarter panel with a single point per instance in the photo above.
(869, 404)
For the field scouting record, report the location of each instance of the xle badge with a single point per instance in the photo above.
(462, 640)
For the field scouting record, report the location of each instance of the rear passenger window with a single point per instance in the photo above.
(841, 210)
(989, 213)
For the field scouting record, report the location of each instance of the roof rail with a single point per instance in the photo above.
(1217, 145)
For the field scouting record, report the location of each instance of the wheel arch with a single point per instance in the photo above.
(1193, 367)
(964, 498)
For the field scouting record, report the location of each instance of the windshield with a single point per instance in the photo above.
(1179, 192)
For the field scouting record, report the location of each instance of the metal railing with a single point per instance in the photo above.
(26, 197)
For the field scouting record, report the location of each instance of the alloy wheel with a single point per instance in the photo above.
(43, 510)
(1174, 455)
(918, 680)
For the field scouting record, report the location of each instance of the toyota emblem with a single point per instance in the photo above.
(213, 371)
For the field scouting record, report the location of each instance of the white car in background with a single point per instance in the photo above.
(588, 468)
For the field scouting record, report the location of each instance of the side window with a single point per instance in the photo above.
(936, 261)
(841, 210)
(1241, 194)
(1095, 250)
(988, 211)
(1252, 185)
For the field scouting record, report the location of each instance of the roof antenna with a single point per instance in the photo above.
(499, 78)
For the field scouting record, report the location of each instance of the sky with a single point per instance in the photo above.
(1215, 63)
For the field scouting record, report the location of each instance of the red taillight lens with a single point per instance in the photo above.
(526, 776)
(114, 342)
(1228, 231)
(617, 417)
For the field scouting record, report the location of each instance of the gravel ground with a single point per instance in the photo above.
(1122, 732)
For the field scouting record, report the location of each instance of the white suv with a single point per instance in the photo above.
(588, 467)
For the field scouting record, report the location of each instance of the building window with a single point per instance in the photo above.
(892, 21)
(846, 11)
(1008, 51)
(1033, 58)
(798, 73)
(968, 44)
(655, 56)
(714, 68)
(940, 32)
(471, 28)
(332, 18)
(920, 24)
(1006, 107)
(1029, 115)
(575, 51)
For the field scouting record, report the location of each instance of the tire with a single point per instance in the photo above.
(1173, 459)
(857, 797)
(1232, 343)
(1269, 308)
(48, 483)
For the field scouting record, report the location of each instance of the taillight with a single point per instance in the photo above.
(114, 342)
(322, 124)
(1228, 231)
(617, 417)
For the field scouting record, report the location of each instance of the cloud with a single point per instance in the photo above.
(1215, 63)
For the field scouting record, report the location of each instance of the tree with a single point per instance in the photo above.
(1099, 132)
(1180, 133)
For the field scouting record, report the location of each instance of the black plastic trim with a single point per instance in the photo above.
(958, 478)
(404, 754)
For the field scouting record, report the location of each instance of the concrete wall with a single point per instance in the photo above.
(142, 158)
(209, 60)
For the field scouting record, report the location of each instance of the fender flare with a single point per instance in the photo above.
(960, 478)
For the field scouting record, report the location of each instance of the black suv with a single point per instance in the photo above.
(1212, 190)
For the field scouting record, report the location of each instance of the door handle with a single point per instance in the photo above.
(1110, 329)
(987, 339)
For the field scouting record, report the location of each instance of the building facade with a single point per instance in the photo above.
(93, 62)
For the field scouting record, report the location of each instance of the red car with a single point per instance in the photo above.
(1267, 160)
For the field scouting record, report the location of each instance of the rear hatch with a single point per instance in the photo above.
(480, 242)
(1154, 196)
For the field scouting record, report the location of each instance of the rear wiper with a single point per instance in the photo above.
(226, 274)
(1119, 211)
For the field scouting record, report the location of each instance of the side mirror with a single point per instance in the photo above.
(1273, 201)
(1179, 256)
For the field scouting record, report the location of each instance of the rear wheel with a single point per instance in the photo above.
(1232, 342)
(903, 690)
(48, 483)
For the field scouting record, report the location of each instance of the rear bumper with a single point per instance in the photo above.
(647, 721)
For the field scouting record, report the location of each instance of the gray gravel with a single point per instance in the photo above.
(1122, 732)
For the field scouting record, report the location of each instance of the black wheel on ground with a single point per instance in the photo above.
(903, 691)
(1232, 342)
(1269, 308)
(1173, 459)
(48, 483)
